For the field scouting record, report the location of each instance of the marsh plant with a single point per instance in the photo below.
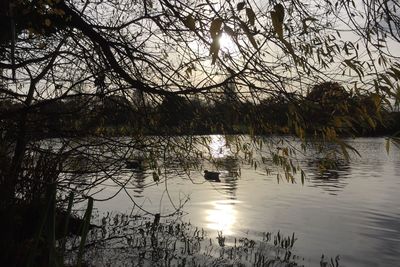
(133, 240)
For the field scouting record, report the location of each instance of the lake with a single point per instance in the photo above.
(352, 211)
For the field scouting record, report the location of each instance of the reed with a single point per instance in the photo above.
(85, 230)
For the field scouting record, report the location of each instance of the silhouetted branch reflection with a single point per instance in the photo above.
(124, 239)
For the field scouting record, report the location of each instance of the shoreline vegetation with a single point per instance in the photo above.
(328, 109)
(150, 242)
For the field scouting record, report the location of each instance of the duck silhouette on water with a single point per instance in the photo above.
(211, 176)
(134, 164)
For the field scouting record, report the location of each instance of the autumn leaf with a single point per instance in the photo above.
(280, 11)
(228, 30)
(251, 16)
(277, 17)
(240, 6)
(214, 49)
(215, 27)
(47, 22)
(190, 22)
(248, 34)
(387, 145)
(156, 178)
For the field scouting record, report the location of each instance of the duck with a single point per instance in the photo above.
(211, 176)
(135, 164)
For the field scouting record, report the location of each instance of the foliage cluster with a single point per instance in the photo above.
(326, 106)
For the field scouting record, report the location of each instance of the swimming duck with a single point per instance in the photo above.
(213, 176)
(134, 164)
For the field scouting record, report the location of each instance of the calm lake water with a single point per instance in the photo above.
(353, 211)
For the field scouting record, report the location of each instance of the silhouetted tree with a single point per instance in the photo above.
(68, 55)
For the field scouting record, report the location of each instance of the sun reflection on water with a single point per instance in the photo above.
(218, 146)
(222, 217)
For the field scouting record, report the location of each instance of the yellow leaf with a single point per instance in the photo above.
(371, 122)
(190, 22)
(47, 22)
(337, 122)
(228, 30)
(288, 46)
(387, 145)
(214, 49)
(215, 27)
(376, 99)
(156, 178)
(277, 17)
(250, 14)
(248, 34)
(280, 11)
(240, 5)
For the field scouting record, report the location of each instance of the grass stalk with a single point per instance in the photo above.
(85, 230)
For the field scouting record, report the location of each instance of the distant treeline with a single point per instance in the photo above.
(326, 106)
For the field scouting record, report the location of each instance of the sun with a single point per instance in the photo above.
(226, 43)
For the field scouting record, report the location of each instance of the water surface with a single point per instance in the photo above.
(352, 211)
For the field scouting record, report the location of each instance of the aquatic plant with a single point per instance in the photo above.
(144, 241)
